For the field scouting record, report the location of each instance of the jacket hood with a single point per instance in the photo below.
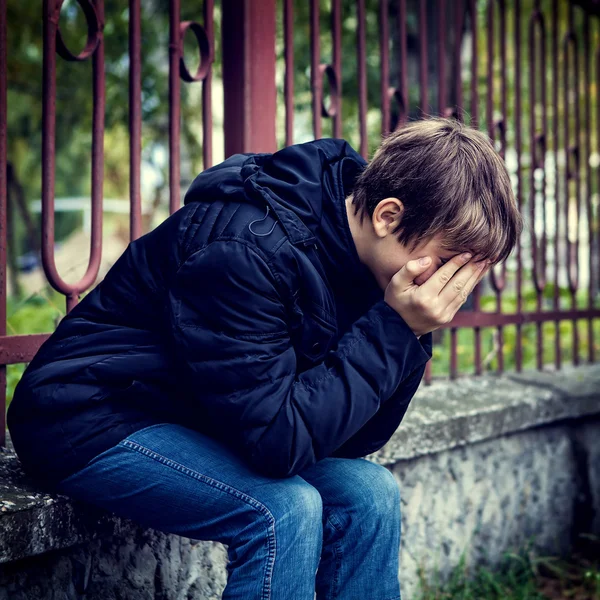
(305, 186)
(294, 182)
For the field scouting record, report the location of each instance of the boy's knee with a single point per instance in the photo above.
(296, 502)
(378, 491)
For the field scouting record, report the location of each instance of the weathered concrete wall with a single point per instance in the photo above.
(489, 497)
(483, 464)
(138, 564)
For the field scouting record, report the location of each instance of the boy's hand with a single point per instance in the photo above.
(426, 307)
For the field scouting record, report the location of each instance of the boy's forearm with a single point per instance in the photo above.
(381, 427)
(377, 431)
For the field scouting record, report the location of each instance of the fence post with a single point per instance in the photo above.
(248, 50)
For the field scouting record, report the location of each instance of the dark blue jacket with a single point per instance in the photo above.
(246, 315)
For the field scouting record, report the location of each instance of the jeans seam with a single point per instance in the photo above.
(261, 508)
(338, 554)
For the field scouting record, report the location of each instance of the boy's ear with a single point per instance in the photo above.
(387, 215)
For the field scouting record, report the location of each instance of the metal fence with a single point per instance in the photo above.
(531, 88)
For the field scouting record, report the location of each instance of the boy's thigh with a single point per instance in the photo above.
(174, 479)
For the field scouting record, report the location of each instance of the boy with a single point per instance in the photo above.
(219, 379)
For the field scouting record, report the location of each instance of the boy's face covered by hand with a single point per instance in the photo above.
(439, 256)
(393, 256)
(381, 251)
(418, 284)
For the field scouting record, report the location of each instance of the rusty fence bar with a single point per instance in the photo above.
(288, 90)
(534, 139)
(322, 70)
(588, 177)
(316, 82)
(474, 121)
(207, 121)
(519, 193)
(248, 58)
(94, 48)
(362, 76)
(3, 204)
(135, 118)
(384, 51)
(556, 296)
(497, 127)
(423, 59)
(572, 171)
(537, 141)
(175, 55)
(401, 92)
(597, 62)
(336, 32)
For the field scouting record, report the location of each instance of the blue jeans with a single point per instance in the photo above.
(333, 529)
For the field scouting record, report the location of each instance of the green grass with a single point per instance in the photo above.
(522, 576)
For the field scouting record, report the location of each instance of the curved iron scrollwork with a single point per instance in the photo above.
(334, 94)
(94, 32)
(394, 94)
(204, 47)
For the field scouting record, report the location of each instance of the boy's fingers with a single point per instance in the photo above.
(437, 282)
(411, 270)
(459, 286)
(475, 278)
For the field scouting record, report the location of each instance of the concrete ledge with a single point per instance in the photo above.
(446, 415)
(33, 521)
(51, 546)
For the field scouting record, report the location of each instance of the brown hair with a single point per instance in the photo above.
(451, 181)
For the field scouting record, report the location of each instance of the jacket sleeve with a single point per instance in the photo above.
(229, 328)
(378, 430)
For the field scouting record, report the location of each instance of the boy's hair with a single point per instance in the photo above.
(451, 181)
